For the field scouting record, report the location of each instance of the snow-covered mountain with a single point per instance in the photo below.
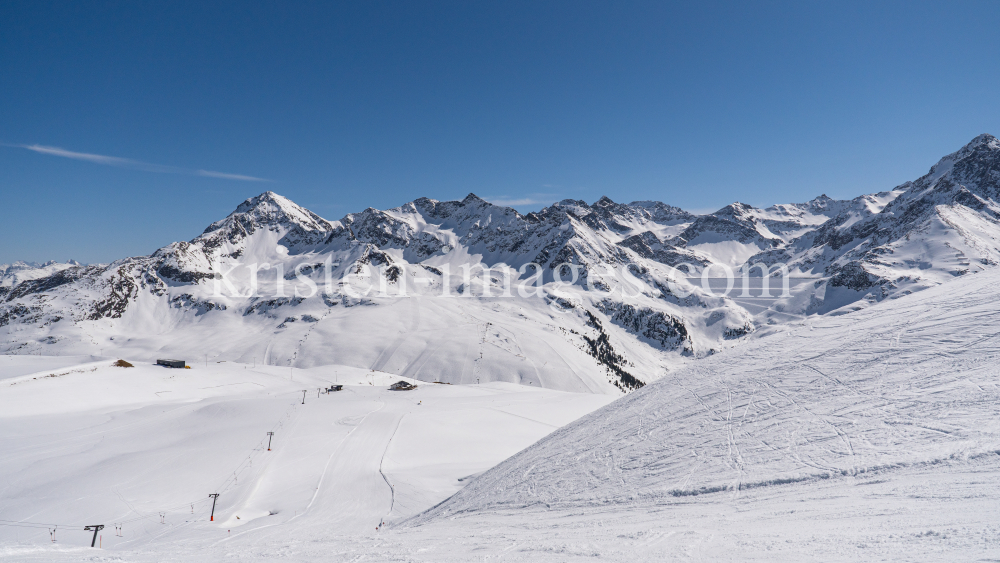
(13, 274)
(450, 325)
(917, 235)
(615, 301)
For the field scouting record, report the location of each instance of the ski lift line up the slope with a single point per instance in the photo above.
(226, 485)
(245, 464)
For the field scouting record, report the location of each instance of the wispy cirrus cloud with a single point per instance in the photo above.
(225, 176)
(530, 199)
(136, 164)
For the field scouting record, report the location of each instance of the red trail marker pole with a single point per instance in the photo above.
(215, 497)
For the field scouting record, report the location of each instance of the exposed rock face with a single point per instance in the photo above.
(657, 327)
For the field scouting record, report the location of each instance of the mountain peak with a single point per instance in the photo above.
(272, 209)
(267, 198)
(982, 144)
(974, 164)
(473, 199)
(734, 208)
(987, 140)
(662, 212)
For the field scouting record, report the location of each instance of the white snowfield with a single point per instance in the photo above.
(873, 435)
(98, 444)
(14, 366)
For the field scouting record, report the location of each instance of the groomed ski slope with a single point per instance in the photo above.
(911, 382)
(885, 406)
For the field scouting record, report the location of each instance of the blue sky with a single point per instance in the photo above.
(126, 126)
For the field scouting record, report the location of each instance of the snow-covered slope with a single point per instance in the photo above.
(909, 384)
(13, 274)
(91, 442)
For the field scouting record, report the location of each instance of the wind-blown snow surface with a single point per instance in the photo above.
(868, 436)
